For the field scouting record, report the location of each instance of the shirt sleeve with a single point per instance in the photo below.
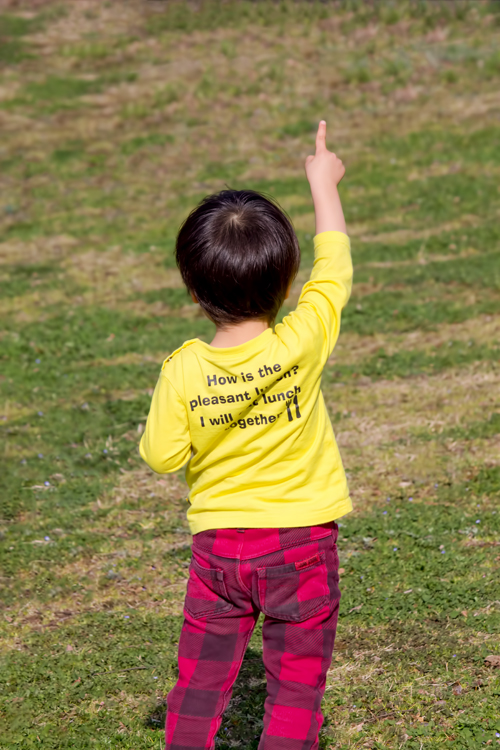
(166, 443)
(317, 317)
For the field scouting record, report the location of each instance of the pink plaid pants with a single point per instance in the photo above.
(291, 575)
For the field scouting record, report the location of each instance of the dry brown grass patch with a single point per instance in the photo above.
(376, 435)
(41, 250)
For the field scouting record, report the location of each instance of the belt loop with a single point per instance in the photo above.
(241, 543)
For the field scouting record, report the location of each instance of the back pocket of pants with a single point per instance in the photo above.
(295, 591)
(206, 594)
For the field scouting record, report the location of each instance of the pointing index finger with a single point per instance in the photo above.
(321, 137)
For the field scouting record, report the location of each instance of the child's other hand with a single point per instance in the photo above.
(324, 170)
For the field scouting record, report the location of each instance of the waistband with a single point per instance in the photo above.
(248, 543)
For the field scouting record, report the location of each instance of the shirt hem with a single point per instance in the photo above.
(230, 520)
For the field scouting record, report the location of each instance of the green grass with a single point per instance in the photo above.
(302, 127)
(479, 429)
(387, 311)
(84, 336)
(144, 141)
(19, 279)
(171, 297)
(57, 93)
(13, 48)
(397, 579)
(448, 243)
(94, 548)
(413, 362)
(478, 146)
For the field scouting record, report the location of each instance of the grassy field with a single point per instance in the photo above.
(116, 117)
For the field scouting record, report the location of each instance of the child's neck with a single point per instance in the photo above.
(239, 333)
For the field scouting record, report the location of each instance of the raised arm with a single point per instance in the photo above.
(317, 317)
(324, 171)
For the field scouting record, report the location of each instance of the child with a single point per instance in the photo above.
(265, 475)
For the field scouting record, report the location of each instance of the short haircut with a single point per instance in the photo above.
(238, 253)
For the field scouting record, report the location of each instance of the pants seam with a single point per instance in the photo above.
(240, 579)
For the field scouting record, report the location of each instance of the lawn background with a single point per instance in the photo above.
(116, 118)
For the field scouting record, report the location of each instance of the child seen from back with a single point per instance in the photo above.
(265, 475)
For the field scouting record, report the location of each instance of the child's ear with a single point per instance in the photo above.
(194, 298)
(288, 291)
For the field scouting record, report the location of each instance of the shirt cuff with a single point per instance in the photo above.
(323, 237)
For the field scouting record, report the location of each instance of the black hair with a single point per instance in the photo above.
(238, 254)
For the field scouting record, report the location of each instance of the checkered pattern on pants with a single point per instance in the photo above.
(291, 575)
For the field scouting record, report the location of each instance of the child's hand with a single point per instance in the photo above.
(324, 170)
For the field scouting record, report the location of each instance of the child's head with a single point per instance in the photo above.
(238, 254)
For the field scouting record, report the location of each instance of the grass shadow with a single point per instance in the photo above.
(243, 720)
(242, 723)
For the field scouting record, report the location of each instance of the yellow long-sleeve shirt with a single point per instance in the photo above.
(251, 419)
